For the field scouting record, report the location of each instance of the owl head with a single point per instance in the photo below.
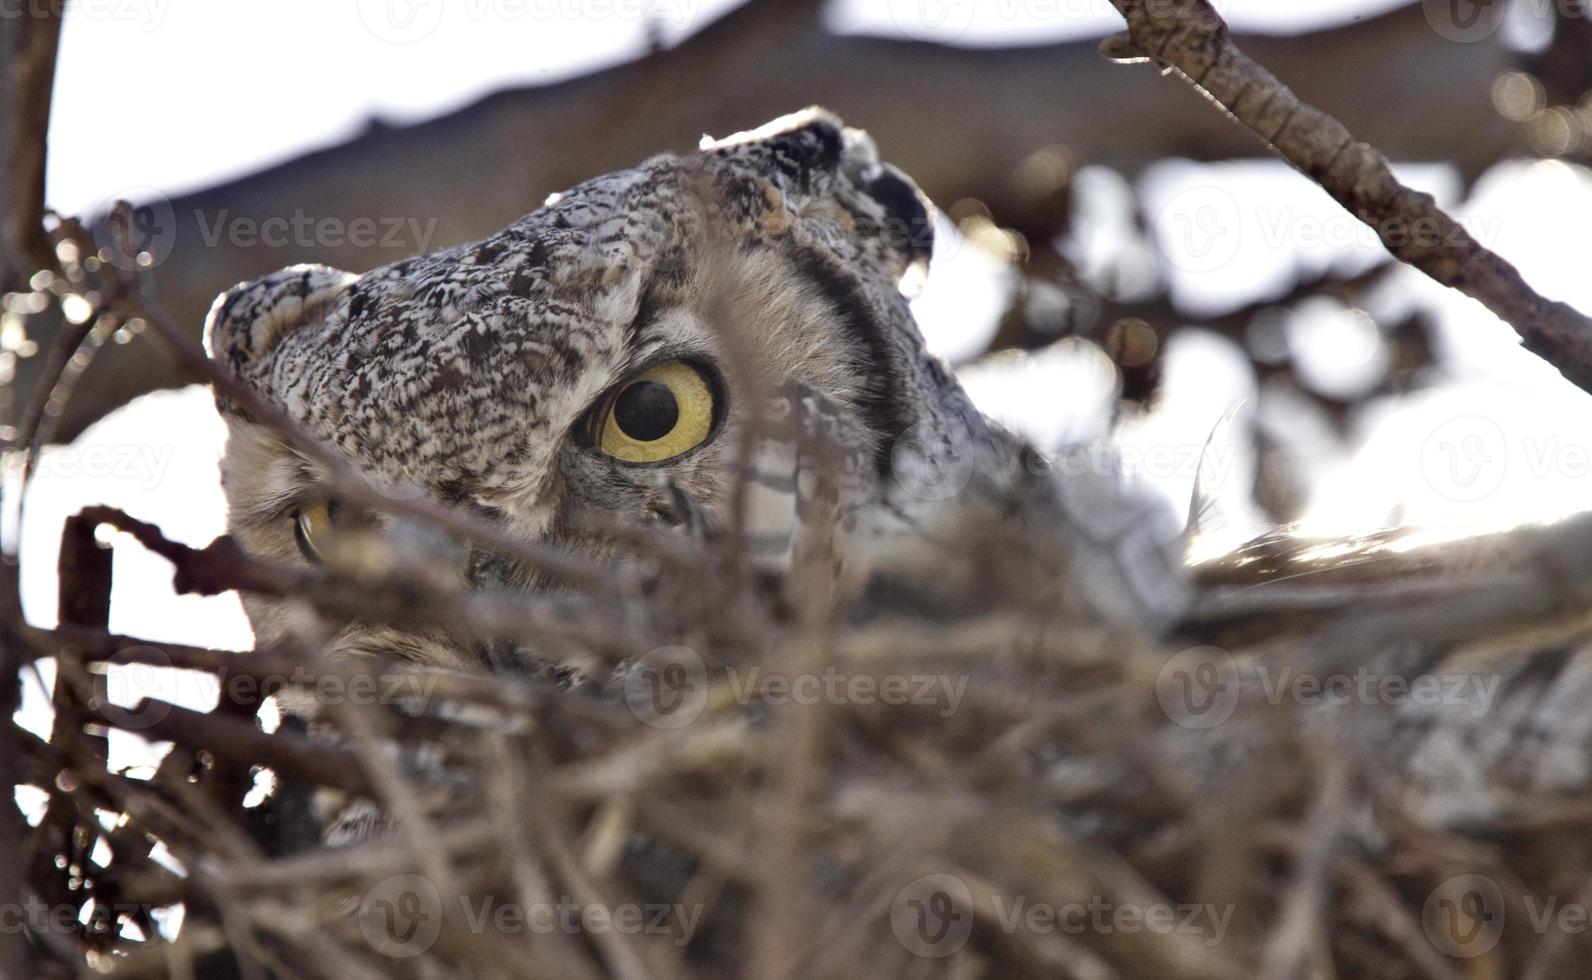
(600, 353)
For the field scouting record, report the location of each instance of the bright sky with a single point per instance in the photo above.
(206, 90)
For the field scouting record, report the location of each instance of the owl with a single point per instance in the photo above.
(717, 347)
(631, 347)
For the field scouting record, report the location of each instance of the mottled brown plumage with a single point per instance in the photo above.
(775, 258)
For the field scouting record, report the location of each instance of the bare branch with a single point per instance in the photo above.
(32, 36)
(1191, 37)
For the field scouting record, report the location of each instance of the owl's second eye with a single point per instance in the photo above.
(323, 527)
(657, 415)
(313, 526)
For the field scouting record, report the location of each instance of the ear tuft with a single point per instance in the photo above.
(247, 321)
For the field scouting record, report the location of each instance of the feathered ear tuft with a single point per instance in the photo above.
(247, 321)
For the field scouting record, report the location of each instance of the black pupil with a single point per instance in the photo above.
(646, 411)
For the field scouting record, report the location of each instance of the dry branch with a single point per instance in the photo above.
(222, 566)
(17, 954)
(29, 40)
(1191, 37)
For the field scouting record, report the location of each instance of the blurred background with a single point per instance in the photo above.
(1117, 263)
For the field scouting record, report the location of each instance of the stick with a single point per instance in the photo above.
(31, 54)
(1189, 36)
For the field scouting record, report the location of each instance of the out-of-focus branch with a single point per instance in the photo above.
(243, 741)
(1191, 37)
(16, 953)
(28, 56)
(222, 566)
(84, 592)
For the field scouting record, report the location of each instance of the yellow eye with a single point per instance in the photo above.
(312, 526)
(658, 414)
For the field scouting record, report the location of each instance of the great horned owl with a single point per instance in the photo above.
(608, 350)
(646, 338)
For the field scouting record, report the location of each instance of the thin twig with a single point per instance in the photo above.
(1191, 37)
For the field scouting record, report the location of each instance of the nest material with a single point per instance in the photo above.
(779, 788)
